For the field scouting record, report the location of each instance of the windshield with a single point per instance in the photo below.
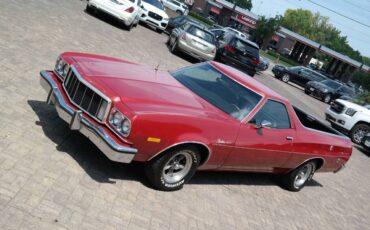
(218, 89)
(332, 84)
(245, 47)
(155, 3)
(206, 36)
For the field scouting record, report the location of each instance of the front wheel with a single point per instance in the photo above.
(285, 78)
(359, 132)
(174, 47)
(327, 98)
(296, 180)
(172, 170)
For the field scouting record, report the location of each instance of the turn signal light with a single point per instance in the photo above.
(130, 10)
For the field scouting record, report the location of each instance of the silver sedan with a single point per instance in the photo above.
(193, 40)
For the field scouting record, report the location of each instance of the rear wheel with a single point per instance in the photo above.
(359, 132)
(297, 179)
(285, 78)
(173, 169)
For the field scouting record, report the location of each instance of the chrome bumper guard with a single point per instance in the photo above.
(113, 150)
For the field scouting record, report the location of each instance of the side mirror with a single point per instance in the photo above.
(142, 6)
(264, 124)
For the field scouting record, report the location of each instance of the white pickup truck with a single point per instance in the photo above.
(350, 118)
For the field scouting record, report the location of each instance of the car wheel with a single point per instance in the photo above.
(285, 78)
(306, 91)
(296, 179)
(129, 27)
(173, 169)
(358, 132)
(159, 31)
(89, 9)
(174, 47)
(327, 98)
(179, 12)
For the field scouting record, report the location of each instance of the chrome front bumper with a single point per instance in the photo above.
(113, 150)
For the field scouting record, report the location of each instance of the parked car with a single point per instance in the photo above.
(206, 116)
(344, 92)
(350, 118)
(176, 6)
(178, 21)
(194, 40)
(324, 90)
(263, 64)
(220, 32)
(153, 14)
(238, 52)
(126, 11)
(297, 74)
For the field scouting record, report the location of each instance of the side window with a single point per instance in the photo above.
(273, 112)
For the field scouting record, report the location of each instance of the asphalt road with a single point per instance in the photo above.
(52, 178)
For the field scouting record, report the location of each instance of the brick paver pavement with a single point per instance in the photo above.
(52, 178)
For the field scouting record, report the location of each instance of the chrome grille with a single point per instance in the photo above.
(336, 107)
(84, 97)
(155, 16)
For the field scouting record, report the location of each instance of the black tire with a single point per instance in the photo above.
(326, 98)
(156, 169)
(292, 181)
(179, 12)
(285, 78)
(159, 31)
(306, 91)
(358, 132)
(89, 9)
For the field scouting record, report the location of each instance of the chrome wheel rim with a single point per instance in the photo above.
(285, 78)
(177, 167)
(303, 175)
(327, 98)
(359, 134)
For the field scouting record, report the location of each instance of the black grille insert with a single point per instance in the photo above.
(155, 16)
(336, 107)
(82, 96)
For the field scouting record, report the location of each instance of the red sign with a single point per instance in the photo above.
(251, 22)
(215, 10)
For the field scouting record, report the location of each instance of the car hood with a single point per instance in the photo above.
(154, 9)
(143, 89)
(354, 106)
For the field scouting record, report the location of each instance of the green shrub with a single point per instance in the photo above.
(363, 98)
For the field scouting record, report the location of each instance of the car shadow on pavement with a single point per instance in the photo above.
(103, 170)
(362, 150)
(242, 178)
(86, 154)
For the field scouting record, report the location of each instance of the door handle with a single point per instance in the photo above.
(289, 138)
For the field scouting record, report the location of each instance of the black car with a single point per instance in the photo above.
(178, 21)
(325, 90)
(366, 142)
(344, 92)
(297, 74)
(238, 52)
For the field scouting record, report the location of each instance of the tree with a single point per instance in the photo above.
(317, 27)
(362, 78)
(264, 30)
(246, 4)
(366, 60)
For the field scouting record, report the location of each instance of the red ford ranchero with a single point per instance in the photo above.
(207, 116)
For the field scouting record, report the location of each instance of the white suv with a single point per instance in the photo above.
(127, 11)
(349, 118)
(176, 6)
(153, 14)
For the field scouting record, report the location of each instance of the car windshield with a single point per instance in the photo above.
(155, 3)
(218, 89)
(332, 84)
(206, 36)
(348, 91)
(245, 47)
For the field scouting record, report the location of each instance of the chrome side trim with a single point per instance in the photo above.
(181, 143)
(81, 79)
(113, 150)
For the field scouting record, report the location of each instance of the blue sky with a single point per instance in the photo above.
(358, 35)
